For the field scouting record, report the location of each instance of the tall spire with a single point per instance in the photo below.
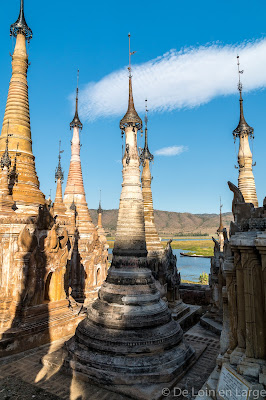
(221, 227)
(242, 126)
(59, 207)
(220, 230)
(20, 26)
(130, 232)
(243, 131)
(129, 312)
(153, 243)
(25, 190)
(131, 117)
(145, 153)
(59, 174)
(76, 120)
(99, 211)
(75, 186)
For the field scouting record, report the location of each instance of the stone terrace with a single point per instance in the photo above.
(22, 377)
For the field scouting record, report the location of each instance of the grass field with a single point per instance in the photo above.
(199, 247)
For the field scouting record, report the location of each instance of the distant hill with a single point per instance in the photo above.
(171, 223)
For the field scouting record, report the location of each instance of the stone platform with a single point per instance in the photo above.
(41, 324)
(26, 367)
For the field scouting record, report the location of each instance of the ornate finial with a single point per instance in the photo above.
(5, 159)
(131, 117)
(100, 211)
(76, 121)
(20, 26)
(239, 86)
(242, 127)
(59, 174)
(130, 54)
(146, 114)
(145, 152)
(220, 229)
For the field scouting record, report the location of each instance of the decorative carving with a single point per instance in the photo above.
(26, 241)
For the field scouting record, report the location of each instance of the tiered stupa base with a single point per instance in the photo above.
(129, 341)
(39, 325)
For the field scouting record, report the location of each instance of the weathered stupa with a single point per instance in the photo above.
(100, 228)
(33, 248)
(129, 341)
(240, 271)
(213, 318)
(162, 262)
(153, 243)
(220, 230)
(16, 124)
(243, 131)
(40, 246)
(89, 259)
(59, 209)
(74, 191)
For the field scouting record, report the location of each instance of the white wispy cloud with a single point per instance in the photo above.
(178, 79)
(170, 151)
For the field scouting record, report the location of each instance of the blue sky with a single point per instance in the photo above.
(92, 36)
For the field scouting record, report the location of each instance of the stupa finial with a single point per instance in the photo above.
(221, 227)
(20, 26)
(100, 204)
(59, 174)
(145, 153)
(131, 117)
(76, 121)
(243, 126)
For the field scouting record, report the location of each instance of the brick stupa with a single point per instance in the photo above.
(91, 262)
(41, 253)
(129, 342)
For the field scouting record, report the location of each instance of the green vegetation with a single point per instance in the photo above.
(204, 278)
(189, 234)
(198, 247)
(191, 282)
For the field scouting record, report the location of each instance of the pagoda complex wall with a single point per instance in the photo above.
(40, 262)
(243, 339)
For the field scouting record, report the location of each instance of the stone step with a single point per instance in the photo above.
(211, 325)
(190, 317)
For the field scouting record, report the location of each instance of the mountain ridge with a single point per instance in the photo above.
(171, 222)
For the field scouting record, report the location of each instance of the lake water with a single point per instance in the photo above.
(190, 268)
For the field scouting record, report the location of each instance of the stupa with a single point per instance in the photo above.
(129, 341)
(89, 261)
(213, 318)
(38, 243)
(241, 364)
(59, 209)
(220, 230)
(162, 262)
(16, 124)
(243, 131)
